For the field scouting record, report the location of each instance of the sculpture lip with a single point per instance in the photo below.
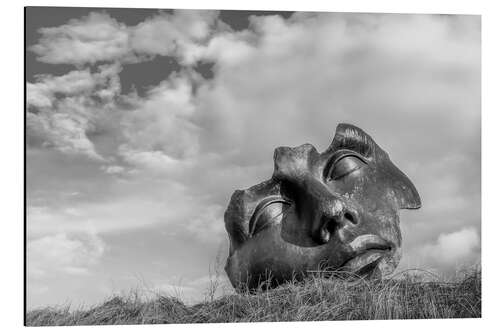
(367, 252)
(367, 242)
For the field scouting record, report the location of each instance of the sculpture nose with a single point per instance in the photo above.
(327, 212)
(321, 213)
(330, 224)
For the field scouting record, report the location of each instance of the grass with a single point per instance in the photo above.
(402, 297)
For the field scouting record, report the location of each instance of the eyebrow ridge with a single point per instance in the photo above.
(352, 139)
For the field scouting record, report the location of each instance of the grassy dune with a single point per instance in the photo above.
(404, 297)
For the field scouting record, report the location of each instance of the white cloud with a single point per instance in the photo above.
(113, 169)
(180, 34)
(96, 37)
(62, 253)
(130, 207)
(161, 124)
(65, 132)
(228, 48)
(100, 37)
(207, 224)
(331, 68)
(74, 83)
(452, 250)
(156, 161)
(70, 106)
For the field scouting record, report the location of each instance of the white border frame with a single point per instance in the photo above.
(12, 148)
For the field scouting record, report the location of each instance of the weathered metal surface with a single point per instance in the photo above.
(320, 211)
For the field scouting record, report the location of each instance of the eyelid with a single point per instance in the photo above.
(344, 153)
(340, 154)
(260, 209)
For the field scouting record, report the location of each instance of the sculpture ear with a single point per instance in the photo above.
(406, 194)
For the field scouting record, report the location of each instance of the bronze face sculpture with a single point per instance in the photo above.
(330, 211)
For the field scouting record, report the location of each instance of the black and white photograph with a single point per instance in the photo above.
(224, 166)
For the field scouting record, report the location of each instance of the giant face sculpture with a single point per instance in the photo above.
(336, 210)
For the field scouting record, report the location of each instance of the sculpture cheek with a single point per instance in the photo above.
(388, 226)
(370, 206)
(349, 188)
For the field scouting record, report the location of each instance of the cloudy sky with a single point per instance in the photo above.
(141, 123)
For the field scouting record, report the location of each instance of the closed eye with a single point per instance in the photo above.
(344, 165)
(267, 213)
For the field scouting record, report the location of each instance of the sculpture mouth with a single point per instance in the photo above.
(368, 251)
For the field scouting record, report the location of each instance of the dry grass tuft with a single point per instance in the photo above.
(402, 297)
